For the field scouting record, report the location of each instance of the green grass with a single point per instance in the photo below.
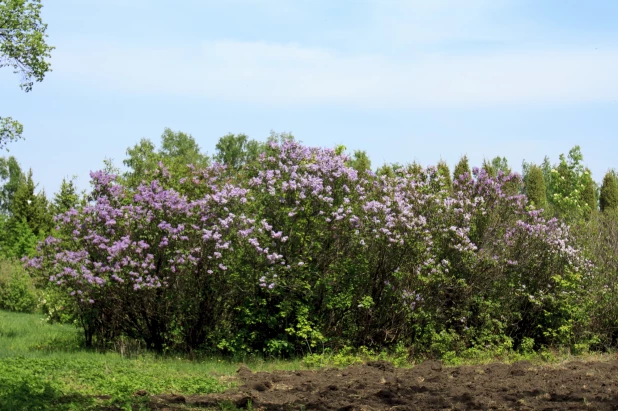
(42, 367)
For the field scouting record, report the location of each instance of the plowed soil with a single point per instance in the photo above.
(428, 386)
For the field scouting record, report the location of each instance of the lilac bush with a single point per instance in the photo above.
(297, 250)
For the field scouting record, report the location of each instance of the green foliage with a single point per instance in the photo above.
(237, 150)
(589, 192)
(599, 236)
(360, 162)
(57, 307)
(43, 367)
(22, 47)
(567, 183)
(22, 40)
(445, 173)
(535, 187)
(27, 219)
(66, 199)
(13, 177)
(17, 291)
(10, 130)
(178, 152)
(462, 168)
(608, 198)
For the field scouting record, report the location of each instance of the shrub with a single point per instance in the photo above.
(17, 292)
(296, 251)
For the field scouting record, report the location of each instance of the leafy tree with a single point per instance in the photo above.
(535, 187)
(178, 150)
(280, 138)
(142, 159)
(462, 168)
(360, 162)
(10, 171)
(181, 148)
(608, 199)
(22, 47)
(567, 184)
(10, 130)
(236, 150)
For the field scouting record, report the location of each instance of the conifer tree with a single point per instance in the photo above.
(535, 187)
(489, 168)
(462, 168)
(65, 199)
(608, 199)
(501, 164)
(445, 173)
(10, 171)
(360, 162)
(31, 208)
(589, 191)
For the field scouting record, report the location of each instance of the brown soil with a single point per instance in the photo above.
(429, 386)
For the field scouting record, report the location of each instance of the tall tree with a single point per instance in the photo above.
(11, 173)
(142, 159)
(66, 198)
(178, 150)
(22, 47)
(360, 162)
(589, 191)
(445, 173)
(31, 207)
(462, 168)
(501, 164)
(535, 187)
(181, 148)
(231, 150)
(567, 184)
(608, 199)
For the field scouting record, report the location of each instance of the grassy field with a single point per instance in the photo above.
(43, 367)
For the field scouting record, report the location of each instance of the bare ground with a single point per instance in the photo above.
(429, 386)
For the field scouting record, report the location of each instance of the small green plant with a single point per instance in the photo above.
(17, 292)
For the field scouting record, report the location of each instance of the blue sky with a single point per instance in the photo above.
(415, 80)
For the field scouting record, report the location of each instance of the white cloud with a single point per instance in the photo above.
(286, 73)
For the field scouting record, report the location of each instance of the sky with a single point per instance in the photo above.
(404, 80)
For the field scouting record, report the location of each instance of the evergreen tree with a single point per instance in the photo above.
(10, 171)
(462, 168)
(489, 168)
(589, 191)
(65, 199)
(445, 173)
(31, 208)
(360, 162)
(500, 164)
(608, 199)
(535, 187)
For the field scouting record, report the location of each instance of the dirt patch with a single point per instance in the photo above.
(429, 386)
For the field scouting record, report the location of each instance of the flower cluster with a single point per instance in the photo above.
(297, 235)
